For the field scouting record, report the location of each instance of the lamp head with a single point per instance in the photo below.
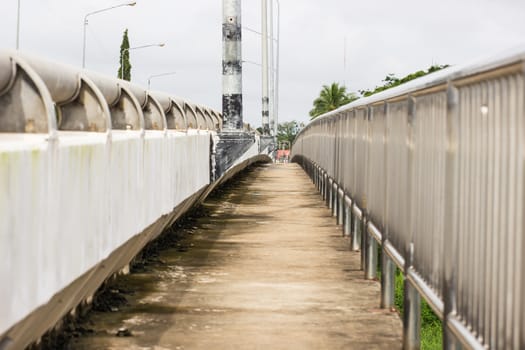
(132, 3)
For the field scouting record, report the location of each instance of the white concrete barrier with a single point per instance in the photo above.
(68, 203)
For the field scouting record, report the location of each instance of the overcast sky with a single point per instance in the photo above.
(382, 37)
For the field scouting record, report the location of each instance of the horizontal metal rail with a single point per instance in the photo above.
(357, 211)
(374, 232)
(432, 298)
(394, 255)
(463, 334)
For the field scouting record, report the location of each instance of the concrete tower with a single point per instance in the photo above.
(231, 65)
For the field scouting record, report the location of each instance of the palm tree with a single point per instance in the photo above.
(330, 98)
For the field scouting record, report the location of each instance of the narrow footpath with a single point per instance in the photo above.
(267, 268)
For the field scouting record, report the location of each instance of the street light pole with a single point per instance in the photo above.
(18, 27)
(271, 101)
(158, 75)
(265, 97)
(275, 68)
(133, 3)
(134, 48)
(278, 42)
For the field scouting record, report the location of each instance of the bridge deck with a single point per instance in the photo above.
(267, 269)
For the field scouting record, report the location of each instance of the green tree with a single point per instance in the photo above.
(330, 98)
(287, 131)
(390, 81)
(124, 71)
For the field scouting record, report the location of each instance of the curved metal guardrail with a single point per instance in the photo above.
(434, 171)
(64, 98)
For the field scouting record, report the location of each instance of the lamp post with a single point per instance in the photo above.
(265, 90)
(134, 48)
(274, 70)
(133, 3)
(278, 43)
(158, 75)
(271, 102)
(18, 27)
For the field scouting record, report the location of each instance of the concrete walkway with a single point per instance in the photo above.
(267, 270)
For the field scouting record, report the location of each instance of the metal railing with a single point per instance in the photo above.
(433, 171)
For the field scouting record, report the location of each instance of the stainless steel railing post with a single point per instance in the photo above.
(340, 206)
(323, 187)
(371, 255)
(362, 241)
(451, 211)
(388, 276)
(316, 177)
(355, 239)
(411, 309)
(329, 192)
(335, 187)
(347, 222)
(321, 182)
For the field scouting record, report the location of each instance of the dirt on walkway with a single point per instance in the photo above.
(265, 268)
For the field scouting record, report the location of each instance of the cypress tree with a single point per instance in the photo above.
(124, 71)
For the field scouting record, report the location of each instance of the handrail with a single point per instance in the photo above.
(508, 61)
